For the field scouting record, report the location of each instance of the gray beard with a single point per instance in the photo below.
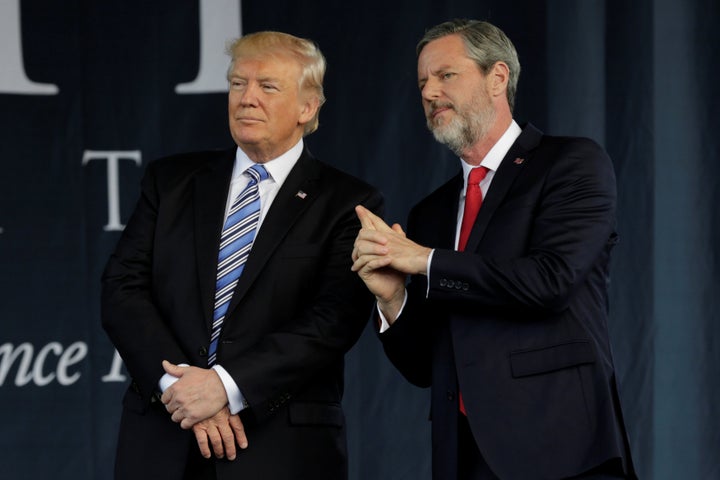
(466, 128)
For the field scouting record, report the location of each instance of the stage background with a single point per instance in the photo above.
(92, 91)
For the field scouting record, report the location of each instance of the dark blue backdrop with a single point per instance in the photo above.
(90, 92)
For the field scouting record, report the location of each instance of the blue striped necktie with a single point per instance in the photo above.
(236, 241)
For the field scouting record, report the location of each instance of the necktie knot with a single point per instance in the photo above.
(477, 175)
(257, 173)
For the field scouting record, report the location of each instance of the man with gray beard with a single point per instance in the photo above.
(505, 315)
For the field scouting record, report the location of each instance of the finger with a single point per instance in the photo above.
(176, 416)
(368, 263)
(373, 220)
(369, 220)
(239, 430)
(398, 229)
(373, 235)
(364, 215)
(228, 440)
(202, 441)
(216, 441)
(187, 423)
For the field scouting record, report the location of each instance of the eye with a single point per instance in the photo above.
(236, 83)
(447, 75)
(269, 87)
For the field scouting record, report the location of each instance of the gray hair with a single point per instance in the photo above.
(484, 43)
(304, 51)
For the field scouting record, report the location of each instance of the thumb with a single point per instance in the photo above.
(172, 369)
(398, 229)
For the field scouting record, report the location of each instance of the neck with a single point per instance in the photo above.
(475, 154)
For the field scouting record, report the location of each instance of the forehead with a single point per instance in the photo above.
(272, 64)
(443, 52)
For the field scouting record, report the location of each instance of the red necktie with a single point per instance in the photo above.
(473, 201)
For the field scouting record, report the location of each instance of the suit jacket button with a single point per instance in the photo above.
(466, 287)
(443, 282)
(202, 351)
(450, 284)
(450, 395)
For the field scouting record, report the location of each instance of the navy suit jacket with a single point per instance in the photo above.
(518, 321)
(296, 311)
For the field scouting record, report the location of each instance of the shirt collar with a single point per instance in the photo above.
(496, 154)
(278, 168)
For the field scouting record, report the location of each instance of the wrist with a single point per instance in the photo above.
(391, 307)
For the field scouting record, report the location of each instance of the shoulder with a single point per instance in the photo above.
(574, 156)
(571, 146)
(336, 180)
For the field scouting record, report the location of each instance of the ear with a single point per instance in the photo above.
(499, 77)
(308, 109)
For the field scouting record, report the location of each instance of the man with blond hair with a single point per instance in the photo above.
(230, 296)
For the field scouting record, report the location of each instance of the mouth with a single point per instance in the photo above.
(437, 110)
(248, 120)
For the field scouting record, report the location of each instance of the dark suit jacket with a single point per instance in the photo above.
(296, 311)
(518, 322)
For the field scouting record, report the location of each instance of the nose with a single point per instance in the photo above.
(248, 96)
(431, 90)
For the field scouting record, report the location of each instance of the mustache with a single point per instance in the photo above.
(435, 105)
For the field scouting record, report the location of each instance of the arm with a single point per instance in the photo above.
(129, 315)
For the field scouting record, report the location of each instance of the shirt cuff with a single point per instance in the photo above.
(236, 400)
(384, 324)
(427, 270)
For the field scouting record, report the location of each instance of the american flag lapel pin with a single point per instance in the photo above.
(518, 161)
(301, 195)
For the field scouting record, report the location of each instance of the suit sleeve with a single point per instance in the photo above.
(129, 314)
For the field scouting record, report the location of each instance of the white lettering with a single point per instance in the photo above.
(8, 358)
(13, 78)
(115, 374)
(113, 180)
(40, 379)
(75, 353)
(219, 20)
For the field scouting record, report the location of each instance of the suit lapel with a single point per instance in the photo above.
(510, 167)
(446, 214)
(210, 190)
(297, 193)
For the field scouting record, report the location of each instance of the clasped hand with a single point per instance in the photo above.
(383, 256)
(198, 400)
